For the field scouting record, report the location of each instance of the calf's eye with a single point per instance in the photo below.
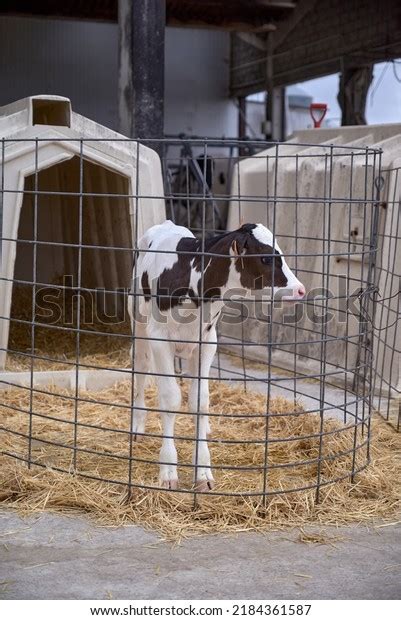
(266, 260)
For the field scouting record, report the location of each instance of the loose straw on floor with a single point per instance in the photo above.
(375, 495)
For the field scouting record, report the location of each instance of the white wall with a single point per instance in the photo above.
(80, 60)
(197, 74)
(74, 59)
(296, 118)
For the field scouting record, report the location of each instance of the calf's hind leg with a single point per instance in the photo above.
(141, 367)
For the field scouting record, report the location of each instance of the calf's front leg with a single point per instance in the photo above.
(198, 402)
(169, 403)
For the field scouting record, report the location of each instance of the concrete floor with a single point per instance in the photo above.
(53, 556)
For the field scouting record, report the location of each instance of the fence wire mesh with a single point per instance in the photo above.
(292, 387)
(387, 384)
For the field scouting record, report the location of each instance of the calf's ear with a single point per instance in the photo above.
(238, 245)
(235, 248)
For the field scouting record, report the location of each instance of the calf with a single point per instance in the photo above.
(176, 273)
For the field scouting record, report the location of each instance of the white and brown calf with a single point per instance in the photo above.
(173, 278)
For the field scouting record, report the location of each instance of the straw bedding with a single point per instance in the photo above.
(239, 416)
(56, 339)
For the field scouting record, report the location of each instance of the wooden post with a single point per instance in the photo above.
(241, 118)
(278, 114)
(353, 92)
(269, 87)
(241, 123)
(274, 127)
(141, 67)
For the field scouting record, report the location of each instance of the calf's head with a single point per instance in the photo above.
(261, 263)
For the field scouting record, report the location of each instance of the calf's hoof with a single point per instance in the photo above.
(203, 486)
(172, 485)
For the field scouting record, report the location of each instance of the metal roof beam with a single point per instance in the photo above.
(277, 4)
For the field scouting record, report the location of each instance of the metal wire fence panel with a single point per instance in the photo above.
(387, 349)
(105, 320)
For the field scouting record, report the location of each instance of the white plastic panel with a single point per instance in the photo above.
(112, 166)
(300, 170)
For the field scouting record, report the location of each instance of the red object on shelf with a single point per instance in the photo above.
(318, 112)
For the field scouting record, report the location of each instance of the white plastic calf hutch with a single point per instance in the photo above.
(320, 199)
(56, 167)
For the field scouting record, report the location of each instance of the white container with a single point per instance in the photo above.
(111, 165)
(299, 225)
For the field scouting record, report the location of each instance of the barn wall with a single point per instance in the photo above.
(79, 60)
(197, 78)
(297, 117)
